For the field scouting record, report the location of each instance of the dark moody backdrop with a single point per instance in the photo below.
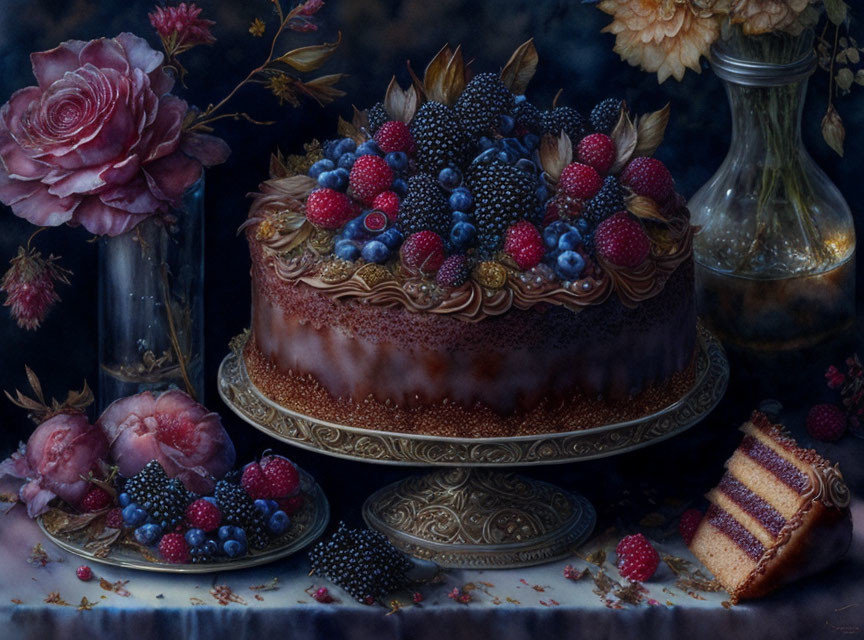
(378, 36)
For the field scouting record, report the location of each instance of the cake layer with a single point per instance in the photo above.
(745, 519)
(764, 483)
(735, 531)
(727, 561)
(756, 506)
(786, 472)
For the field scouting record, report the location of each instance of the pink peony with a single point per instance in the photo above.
(187, 440)
(182, 22)
(99, 142)
(56, 460)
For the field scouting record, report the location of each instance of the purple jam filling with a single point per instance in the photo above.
(786, 472)
(767, 515)
(729, 526)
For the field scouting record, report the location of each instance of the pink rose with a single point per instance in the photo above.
(99, 142)
(57, 460)
(187, 439)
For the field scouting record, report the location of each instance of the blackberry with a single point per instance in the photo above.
(609, 200)
(239, 510)
(377, 115)
(233, 476)
(503, 195)
(527, 116)
(424, 207)
(482, 102)
(605, 115)
(440, 138)
(565, 119)
(361, 561)
(165, 500)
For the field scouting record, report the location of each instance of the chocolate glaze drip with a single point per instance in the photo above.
(785, 471)
(729, 526)
(767, 515)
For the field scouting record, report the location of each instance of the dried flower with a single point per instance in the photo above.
(310, 7)
(662, 36)
(257, 27)
(280, 86)
(182, 27)
(834, 377)
(764, 16)
(29, 286)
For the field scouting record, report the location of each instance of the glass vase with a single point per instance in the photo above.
(151, 314)
(775, 254)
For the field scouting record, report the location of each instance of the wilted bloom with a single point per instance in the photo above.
(187, 439)
(29, 286)
(100, 141)
(56, 461)
(764, 16)
(181, 26)
(834, 377)
(311, 7)
(662, 36)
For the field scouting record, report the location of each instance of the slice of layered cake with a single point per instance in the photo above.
(779, 513)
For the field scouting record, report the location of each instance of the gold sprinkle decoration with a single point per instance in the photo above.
(372, 274)
(491, 275)
(335, 271)
(265, 230)
(321, 241)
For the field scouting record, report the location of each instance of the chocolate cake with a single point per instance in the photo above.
(463, 268)
(779, 513)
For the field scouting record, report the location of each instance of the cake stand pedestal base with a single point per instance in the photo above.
(472, 518)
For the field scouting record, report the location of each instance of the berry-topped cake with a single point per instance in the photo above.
(463, 262)
(779, 513)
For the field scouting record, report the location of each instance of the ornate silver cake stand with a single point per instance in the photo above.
(472, 513)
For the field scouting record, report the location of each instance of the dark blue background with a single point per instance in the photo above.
(378, 36)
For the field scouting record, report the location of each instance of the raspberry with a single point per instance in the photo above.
(84, 573)
(369, 176)
(637, 559)
(291, 505)
(622, 241)
(454, 272)
(688, 524)
(650, 178)
(524, 244)
(173, 548)
(388, 202)
(394, 136)
(423, 251)
(281, 474)
(328, 209)
(95, 499)
(596, 150)
(254, 482)
(203, 514)
(826, 422)
(114, 518)
(579, 181)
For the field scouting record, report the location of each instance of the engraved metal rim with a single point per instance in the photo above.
(244, 399)
(313, 531)
(754, 73)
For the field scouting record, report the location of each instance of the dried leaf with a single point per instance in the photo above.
(603, 584)
(859, 77)
(57, 521)
(844, 79)
(455, 78)
(348, 130)
(401, 104)
(833, 131)
(555, 154)
(33, 379)
(301, 236)
(836, 11)
(650, 131)
(556, 98)
(853, 55)
(322, 90)
(596, 557)
(360, 119)
(519, 70)
(445, 76)
(624, 135)
(434, 72)
(278, 165)
(311, 57)
(645, 208)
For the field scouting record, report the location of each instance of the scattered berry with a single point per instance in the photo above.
(173, 548)
(281, 474)
(254, 482)
(394, 135)
(95, 499)
(328, 209)
(650, 178)
(322, 595)
(571, 573)
(203, 514)
(524, 244)
(688, 523)
(388, 202)
(578, 180)
(454, 271)
(423, 251)
(462, 597)
(596, 150)
(637, 559)
(369, 176)
(826, 422)
(84, 573)
(622, 241)
(416, 597)
(450, 178)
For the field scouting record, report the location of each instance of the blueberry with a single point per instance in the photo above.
(232, 548)
(346, 160)
(391, 238)
(278, 522)
(506, 124)
(320, 167)
(543, 193)
(486, 156)
(551, 257)
(346, 250)
(375, 251)
(225, 532)
(342, 176)
(570, 240)
(330, 150)
(396, 160)
(354, 230)
(462, 234)
(134, 515)
(450, 178)
(123, 499)
(273, 505)
(485, 143)
(195, 537)
(238, 533)
(520, 98)
(515, 146)
(531, 141)
(329, 180)
(507, 156)
(210, 547)
(399, 187)
(461, 200)
(552, 233)
(583, 226)
(369, 148)
(345, 145)
(461, 216)
(570, 265)
(148, 534)
(524, 164)
(263, 507)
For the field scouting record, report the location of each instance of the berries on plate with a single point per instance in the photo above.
(369, 176)
(579, 180)
(650, 178)
(423, 251)
(173, 548)
(95, 499)
(388, 202)
(203, 514)
(281, 475)
(826, 422)
(328, 209)
(622, 241)
(524, 244)
(394, 135)
(688, 523)
(637, 559)
(596, 150)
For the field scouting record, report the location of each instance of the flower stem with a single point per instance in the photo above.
(172, 334)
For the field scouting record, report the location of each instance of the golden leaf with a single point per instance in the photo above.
(348, 130)
(624, 136)
(645, 208)
(322, 90)
(278, 165)
(650, 130)
(445, 76)
(519, 70)
(296, 187)
(360, 119)
(300, 237)
(455, 78)
(401, 104)
(555, 154)
(311, 57)
(833, 131)
(57, 521)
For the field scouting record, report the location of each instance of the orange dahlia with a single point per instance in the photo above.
(764, 16)
(663, 36)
